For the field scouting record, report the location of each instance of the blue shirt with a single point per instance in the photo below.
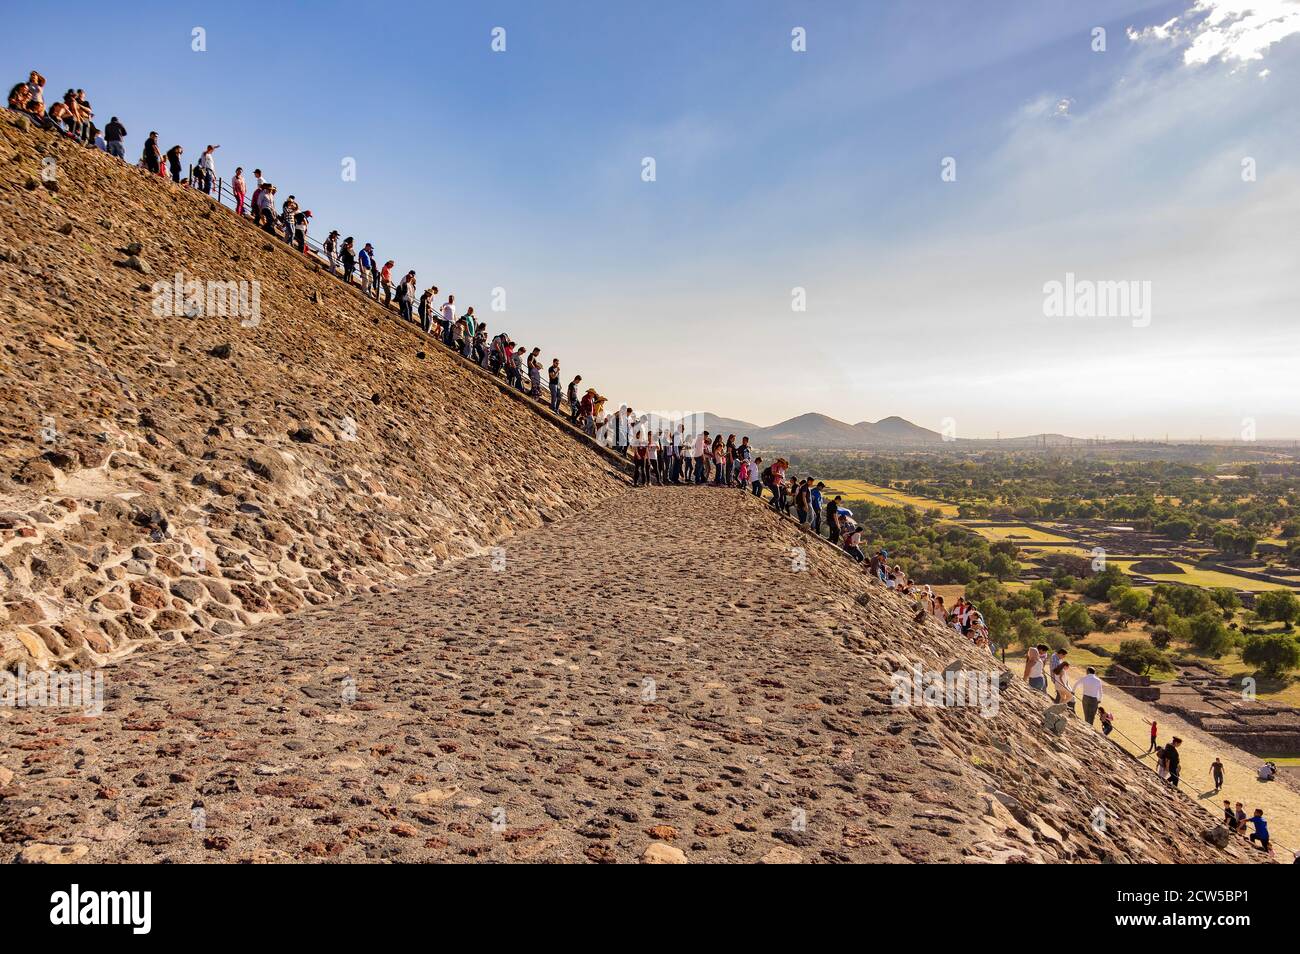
(1261, 826)
(816, 499)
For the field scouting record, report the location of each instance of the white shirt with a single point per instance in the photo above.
(1036, 667)
(699, 446)
(1089, 685)
(448, 312)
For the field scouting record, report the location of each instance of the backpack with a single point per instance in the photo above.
(767, 475)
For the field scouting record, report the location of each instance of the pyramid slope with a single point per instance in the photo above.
(155, 487)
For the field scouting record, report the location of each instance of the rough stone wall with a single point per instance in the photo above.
(162, 476)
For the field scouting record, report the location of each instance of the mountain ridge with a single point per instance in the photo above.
(813, 430)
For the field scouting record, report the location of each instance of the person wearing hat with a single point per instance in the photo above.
(288, 212)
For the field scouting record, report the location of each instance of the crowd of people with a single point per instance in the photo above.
(354, 263)
(663, 452)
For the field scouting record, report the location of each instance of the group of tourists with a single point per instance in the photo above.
(358, 265)
(1040, 662)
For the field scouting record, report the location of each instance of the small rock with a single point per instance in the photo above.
(659, 853)
(42, 854)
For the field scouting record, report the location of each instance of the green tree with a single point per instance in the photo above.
(1280, 606)
(1209, 635)
(1099, 585)
(1186, 600)
(1274, 654)
(1004, 567)
(1075, 620)
(1226, 599)
(1132, 602)
(1141, 657)
(998, 621)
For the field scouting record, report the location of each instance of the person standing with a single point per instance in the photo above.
(114, 133)
(208, 169)
(239, 187)
(85, 113)
(287, 213)
(651, 449)
(349, 259)
(756, 477)
(833, 519)
(426, 309)
(699, 450)
(1061, 679)
(1089, 688)
(254, 209)
(386, 282)
(1216, 773)
(152, 155)
(534, 373)
(815, 496)
(1154, 729)
(405, 297)
(301, 222)
(471, 332)
(1170, 759)
(1034, 663)
(553, 379)
(448, 318)
(332, 249)
(571, 393)
(375, 280)
(802, 501)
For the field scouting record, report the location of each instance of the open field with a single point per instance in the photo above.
(1019, 534)
(885, 497)
(1207, 578)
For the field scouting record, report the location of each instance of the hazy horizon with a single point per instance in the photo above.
(1167, 160)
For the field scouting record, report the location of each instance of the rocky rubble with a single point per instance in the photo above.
(613, 687)
(169, 477)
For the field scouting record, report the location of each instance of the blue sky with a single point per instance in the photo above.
(778, 170)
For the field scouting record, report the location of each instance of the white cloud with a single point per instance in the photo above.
(1225, 30)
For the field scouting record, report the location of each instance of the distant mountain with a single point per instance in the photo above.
(727, 425)
(810, 430)
(820, 432)
(896, 430)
